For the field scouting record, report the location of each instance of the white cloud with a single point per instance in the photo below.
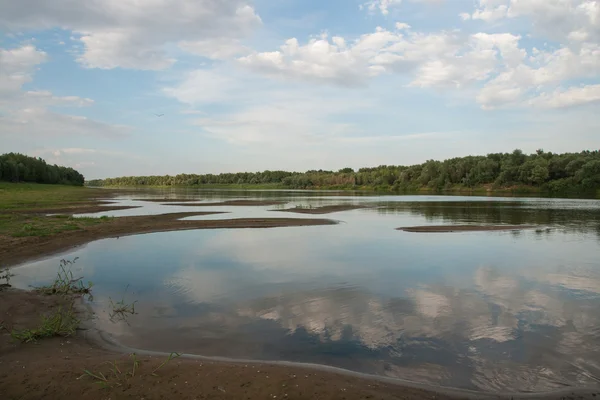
(130, 34)
(382, 6)
(16, 68)
(41, 123)
(46, 98)
(216, 49)
(204, 86)
(435, 59)
(544, 69)
(567, 98)
(556, 19)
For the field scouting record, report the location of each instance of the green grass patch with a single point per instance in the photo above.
(117, 374)
(22, 225)
(61, 322)
(14, 196)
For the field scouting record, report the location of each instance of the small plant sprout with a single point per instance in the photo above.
(136, 364)
(121, 309)
(116, 376)
(99, 377)
(172, 356)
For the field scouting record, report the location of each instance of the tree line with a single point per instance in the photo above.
(16, 167)
(546, 171)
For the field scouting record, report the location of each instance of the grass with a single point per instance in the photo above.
(23, 225)
(14, 196)
(62, 322)
(65, 283)
(19, 201)
(116, 375)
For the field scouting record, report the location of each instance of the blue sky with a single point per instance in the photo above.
(296, 85)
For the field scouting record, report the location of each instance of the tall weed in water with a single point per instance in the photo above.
(65, 283)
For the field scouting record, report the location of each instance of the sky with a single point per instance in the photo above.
(250, 85)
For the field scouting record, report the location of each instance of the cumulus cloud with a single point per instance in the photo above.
(128, 34)
(499, 65)
(434, 59)
(17, 67)
(543, 69)
(557, 19)
(570, 97)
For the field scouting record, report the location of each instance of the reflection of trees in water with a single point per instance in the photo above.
(505, 333)
(581, 220)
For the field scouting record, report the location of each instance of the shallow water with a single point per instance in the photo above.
(493, 311)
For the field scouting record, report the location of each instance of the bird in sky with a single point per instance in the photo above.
(159, 115)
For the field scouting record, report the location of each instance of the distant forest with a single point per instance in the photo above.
(543, 171)
(16, 167)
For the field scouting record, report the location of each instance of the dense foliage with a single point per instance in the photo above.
(21, 168)
(569, 172)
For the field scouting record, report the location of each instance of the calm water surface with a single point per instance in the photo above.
(492, 311)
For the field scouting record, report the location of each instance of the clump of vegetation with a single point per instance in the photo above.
(5, 275)
(16, 167)
(171, 357)
(121, 309)
(65, 284)
(62, 322)
(304, 207)
(116, 376)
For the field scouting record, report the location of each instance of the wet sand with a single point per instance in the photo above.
(168, 200)
(323, 209)
(14, 250)
(54, 369)
(237, 203)
(464, 228)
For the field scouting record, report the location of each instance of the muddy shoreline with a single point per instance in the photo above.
(54, 369)
(464, 228)
(15, 250)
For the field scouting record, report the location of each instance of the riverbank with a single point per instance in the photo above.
(55, 368)
(76, 365)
